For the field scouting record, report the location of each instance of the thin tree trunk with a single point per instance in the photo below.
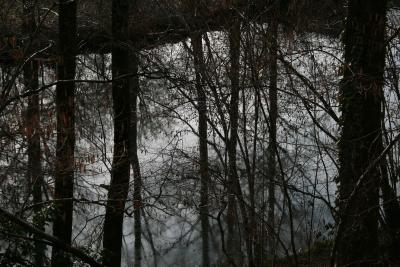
(361, 98)
(233, 240)
(150, 239)
(391, 208)
(256, 219)
(272, 147)
(34, 173)
(391, 205)
(137, 181)
(118, 190)
(197, 45)
(65, 102)
(257, 231)
(234, 189)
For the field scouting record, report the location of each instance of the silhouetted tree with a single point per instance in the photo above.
(65, 105)
(361, 101)
(119, 185)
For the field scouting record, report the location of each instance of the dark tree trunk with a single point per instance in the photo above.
(118, 191)
(361, 97)
(272, 147)
(233, 240)
(137, 178)
(65, 93)
(197, 45)
(235, 195)
(34, 173)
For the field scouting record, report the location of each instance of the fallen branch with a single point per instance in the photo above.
(53, 241)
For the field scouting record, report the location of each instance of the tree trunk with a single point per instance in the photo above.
(234, 189)
(233, 240)
(197, 45)
(137, 180)
(65, 93)
(118, 190)
(34, 173)
(272, 147)
(361, 97)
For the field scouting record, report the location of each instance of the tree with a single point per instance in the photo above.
(235, 195)
(244, 125)
(119, 184)
(65, 105)
(234, 50)
(137, 177)
(272, 127)
(361, 98)
(33, 129)
(198, 58)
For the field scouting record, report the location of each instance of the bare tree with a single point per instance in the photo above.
(197, 45)
(33, 129)
(137, 177)
(233, 243)
(273, 115)
(65, 105)
(119, 185)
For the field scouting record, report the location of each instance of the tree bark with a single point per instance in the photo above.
(197, 45)
(233, 239)
(65, 94)
(118, 190)
(34, 173)
(137, 178)
(361, 97)
(272, 146)
(234, 188)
